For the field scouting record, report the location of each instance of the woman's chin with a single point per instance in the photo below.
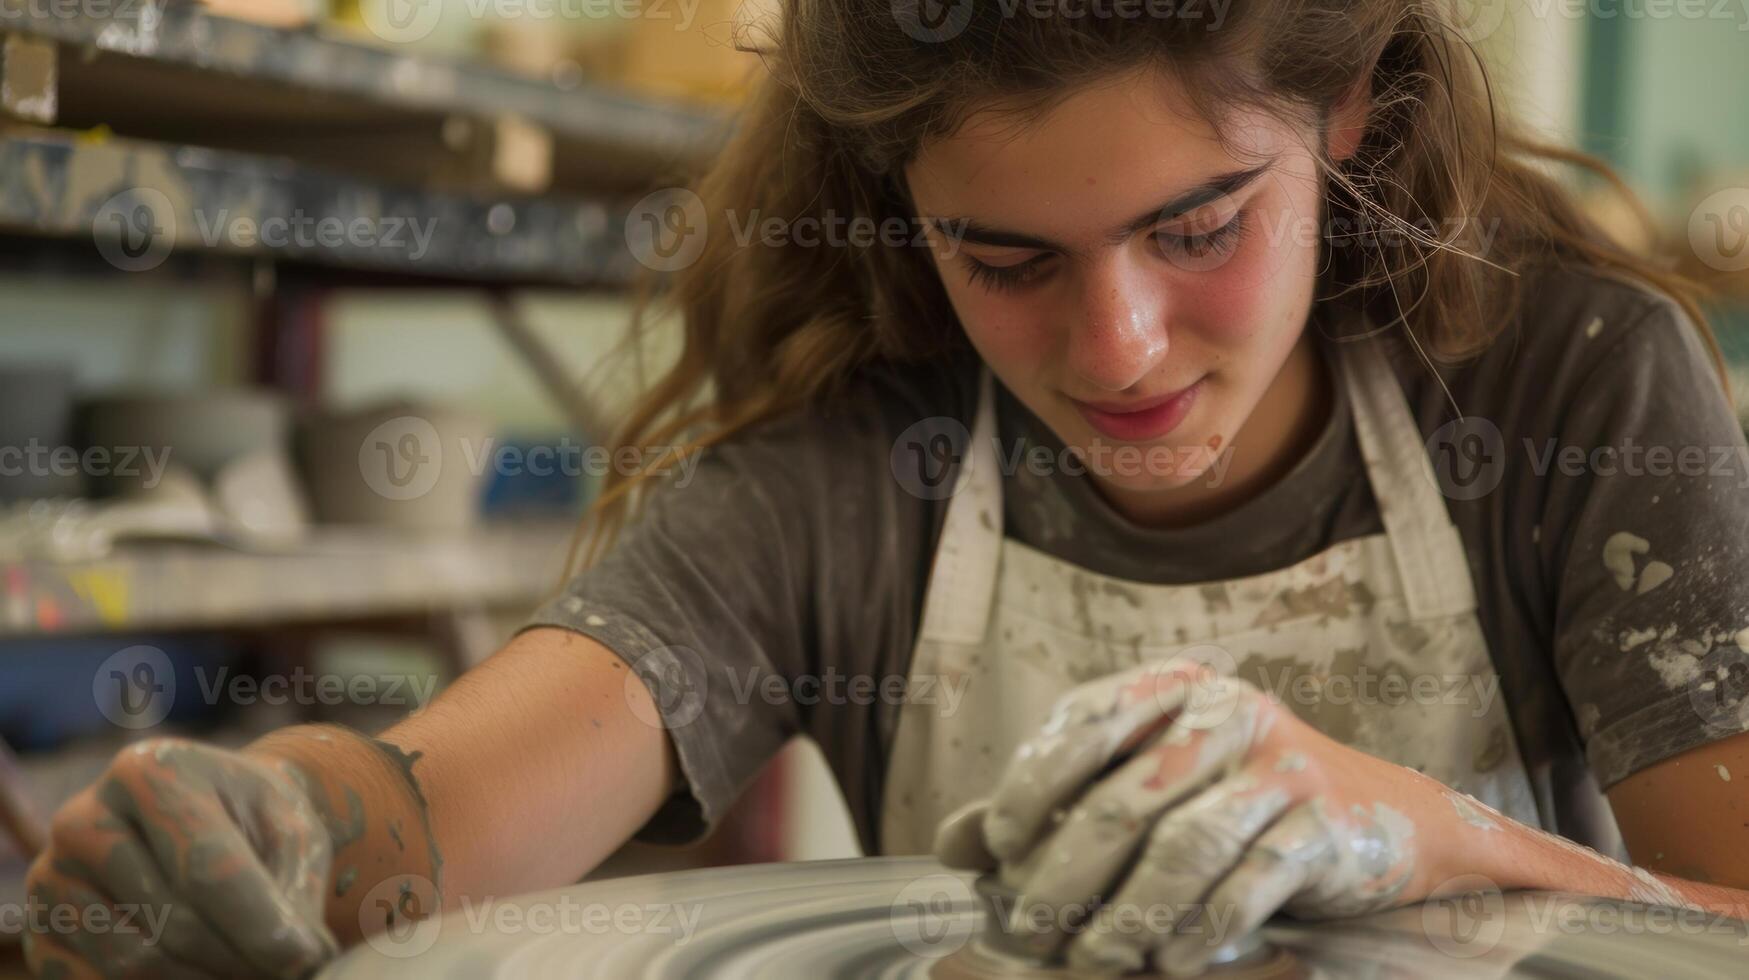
(1150, 468)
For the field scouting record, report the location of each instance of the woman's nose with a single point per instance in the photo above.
(1119, 334)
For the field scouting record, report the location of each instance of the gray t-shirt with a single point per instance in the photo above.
(779, 590)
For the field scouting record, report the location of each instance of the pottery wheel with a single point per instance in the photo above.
(892, 918)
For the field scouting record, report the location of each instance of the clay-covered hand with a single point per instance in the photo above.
(1185, 808)
(183, 860)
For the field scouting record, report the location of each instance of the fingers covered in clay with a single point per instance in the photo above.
(219, 861)
(1098, 840)
(959, 840)
(1186, 852)
(1087, 730)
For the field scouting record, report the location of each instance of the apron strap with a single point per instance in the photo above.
(1430, 555)
(962, 580)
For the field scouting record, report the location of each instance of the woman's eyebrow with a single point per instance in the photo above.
(977, 232)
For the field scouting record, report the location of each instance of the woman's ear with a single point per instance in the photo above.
(1346, 122)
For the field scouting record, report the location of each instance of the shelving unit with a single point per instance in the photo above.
(312, 77)
(340, 573)
(246, 205)
(196, 132)
(521, 181)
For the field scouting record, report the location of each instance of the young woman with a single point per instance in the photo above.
(1224, 471)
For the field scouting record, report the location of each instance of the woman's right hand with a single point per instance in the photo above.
(183, 860)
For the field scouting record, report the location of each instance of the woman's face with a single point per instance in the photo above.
(1131, 280)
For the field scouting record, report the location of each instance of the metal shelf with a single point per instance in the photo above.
(184, 37)
(195, 198)
(341, 573)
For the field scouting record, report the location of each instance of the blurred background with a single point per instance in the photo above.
(262, 260)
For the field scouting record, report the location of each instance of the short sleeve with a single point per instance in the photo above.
(789, 553)
(1647, 522)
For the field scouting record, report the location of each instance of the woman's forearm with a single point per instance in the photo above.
(537, 764)
(385, 862)
(524, 774)
(1534, 859)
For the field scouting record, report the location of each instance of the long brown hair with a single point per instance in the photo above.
(854, 87)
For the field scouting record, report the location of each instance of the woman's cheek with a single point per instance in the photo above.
(1276, 250)
(1222, 317)
(1011, 338)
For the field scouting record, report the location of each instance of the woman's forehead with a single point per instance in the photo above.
(1099, 148)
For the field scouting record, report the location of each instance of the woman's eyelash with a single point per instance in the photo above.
(994, 277)
(1007, 277)
(1219, 241)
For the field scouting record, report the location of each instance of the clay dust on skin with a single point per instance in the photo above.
(1195, 804)
(207, 863)
(1642, 885)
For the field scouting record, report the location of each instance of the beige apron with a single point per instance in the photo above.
(1375, 641)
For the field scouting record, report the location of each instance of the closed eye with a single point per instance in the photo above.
(1007, 277)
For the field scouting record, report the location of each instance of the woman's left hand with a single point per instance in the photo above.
(1190, 807)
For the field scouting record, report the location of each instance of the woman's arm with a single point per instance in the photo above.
(538, 764)
(1685, 826)
(523, 775)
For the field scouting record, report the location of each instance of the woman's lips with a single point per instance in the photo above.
(1142, 420)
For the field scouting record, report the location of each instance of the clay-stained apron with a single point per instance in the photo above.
(1375, 641)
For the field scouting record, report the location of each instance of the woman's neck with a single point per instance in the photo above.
(1283, 427)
